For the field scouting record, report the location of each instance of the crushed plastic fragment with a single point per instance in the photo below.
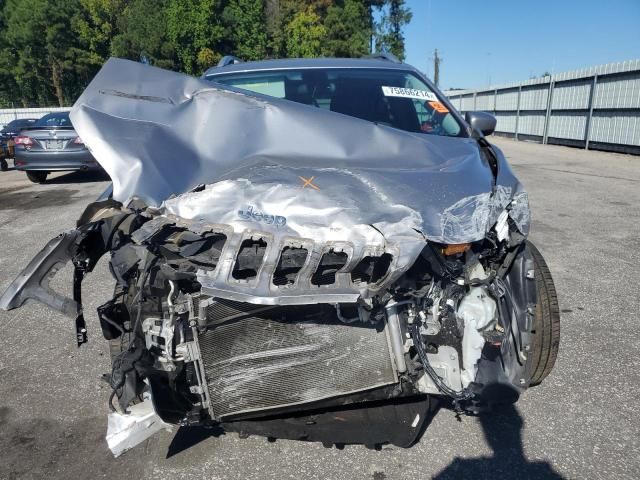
(126, 431)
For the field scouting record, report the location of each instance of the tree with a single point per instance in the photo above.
(244, 22)
(47, 61)
(370, 5)
(51, 49)
(142, 31)
(305, 34)
(272, 22)
(9, 90)
(67, 56)
(192, 26)
(278, 16)
(390, 37)
(348, 29)
(96, 25)
(24, 41)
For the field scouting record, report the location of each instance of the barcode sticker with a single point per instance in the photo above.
(409, 93)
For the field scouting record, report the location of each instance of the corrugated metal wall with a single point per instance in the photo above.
(596, 107)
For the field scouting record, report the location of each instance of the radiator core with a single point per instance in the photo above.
(256, 358)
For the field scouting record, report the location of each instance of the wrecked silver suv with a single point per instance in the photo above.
(320, 250)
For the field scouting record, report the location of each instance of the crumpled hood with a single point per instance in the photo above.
(159, 133)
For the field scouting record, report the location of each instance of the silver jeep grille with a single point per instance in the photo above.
(259, 358)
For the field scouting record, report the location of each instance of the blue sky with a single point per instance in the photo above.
(501, 41)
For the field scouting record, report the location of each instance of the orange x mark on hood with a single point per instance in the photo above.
(308, 182)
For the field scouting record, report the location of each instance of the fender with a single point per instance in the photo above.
(84, 246)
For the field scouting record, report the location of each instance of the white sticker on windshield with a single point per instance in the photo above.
(408, 93)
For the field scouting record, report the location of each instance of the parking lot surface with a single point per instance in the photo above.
(582, 422)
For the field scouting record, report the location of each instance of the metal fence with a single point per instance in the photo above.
(8, 114)
(596, 107)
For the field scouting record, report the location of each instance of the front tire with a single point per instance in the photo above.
(37, 177)
(4, 166)
(546, 327)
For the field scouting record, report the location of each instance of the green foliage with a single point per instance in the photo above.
(142, 32)
(24, 44)
(193, 25)
(9, 90)
(389, 36)
(244, 22)
(40, 52)
(348, 29)
(51, 49)
(96, 25)
(305, 34)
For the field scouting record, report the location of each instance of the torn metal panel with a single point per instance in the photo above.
(33, 281)
(519, 210)
(347, 227)
(84, 247)
(175, 132)
(520, 213)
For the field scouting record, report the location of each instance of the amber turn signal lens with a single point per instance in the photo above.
(455, 248)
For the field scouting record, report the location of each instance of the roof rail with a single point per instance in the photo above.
(384, 56)
(229, 60)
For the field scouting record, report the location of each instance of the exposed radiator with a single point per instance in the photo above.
(259, 358)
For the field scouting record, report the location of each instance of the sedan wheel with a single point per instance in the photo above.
(37, 177)
(546, 337)
(4, 166)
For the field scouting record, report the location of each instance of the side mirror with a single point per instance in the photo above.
(481, 121)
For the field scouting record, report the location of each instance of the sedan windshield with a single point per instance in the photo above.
(394, 98)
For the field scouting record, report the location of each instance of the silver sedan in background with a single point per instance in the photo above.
(51, 144)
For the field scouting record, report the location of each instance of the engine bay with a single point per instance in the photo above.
(455, 325)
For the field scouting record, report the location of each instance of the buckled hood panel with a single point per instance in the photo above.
(160, 134)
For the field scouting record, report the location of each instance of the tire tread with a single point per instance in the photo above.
(547, 322)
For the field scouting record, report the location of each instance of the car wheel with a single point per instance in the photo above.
(37, 177)
(4, 166)
(546, 333)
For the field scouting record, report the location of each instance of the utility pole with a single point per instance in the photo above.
(436, 67)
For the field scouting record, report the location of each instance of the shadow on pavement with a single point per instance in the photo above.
(34, 447)
(70, 177)
(24, 200)
(79, 177)
(503, 432)
(187, 437)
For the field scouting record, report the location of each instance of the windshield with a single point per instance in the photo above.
(54, 120)
(394, 98)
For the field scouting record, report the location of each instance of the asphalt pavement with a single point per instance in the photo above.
(582, 422)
